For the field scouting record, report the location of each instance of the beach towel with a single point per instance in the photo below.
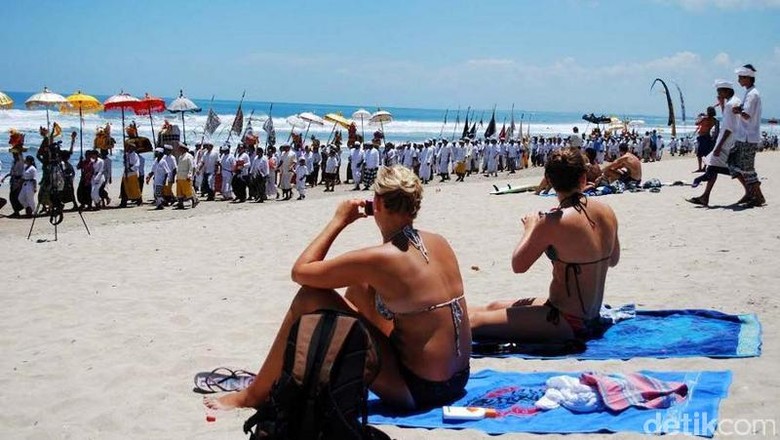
(621, 391)
(513, 396)
(652, 333)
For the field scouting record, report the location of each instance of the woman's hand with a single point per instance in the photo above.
(349, 211)
(531, 220)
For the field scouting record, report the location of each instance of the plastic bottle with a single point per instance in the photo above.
(467, 413)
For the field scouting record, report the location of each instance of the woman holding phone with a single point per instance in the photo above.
(408, 290)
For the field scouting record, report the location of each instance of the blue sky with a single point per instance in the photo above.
(557, 55)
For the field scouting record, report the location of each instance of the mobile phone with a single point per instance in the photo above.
(369, 208)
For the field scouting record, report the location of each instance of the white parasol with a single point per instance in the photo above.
(45, 99)
(362, 115)
(183, 105)
(310, 118)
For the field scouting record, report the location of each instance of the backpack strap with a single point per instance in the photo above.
(309, 329)
(344, 325)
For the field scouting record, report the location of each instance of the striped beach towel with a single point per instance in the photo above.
(621, 391)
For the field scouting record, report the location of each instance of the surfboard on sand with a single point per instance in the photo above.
(509, 189)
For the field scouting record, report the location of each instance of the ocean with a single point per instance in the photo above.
(409, 124)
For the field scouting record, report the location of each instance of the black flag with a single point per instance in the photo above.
(491, 128)
(473, 132)
(466, 127)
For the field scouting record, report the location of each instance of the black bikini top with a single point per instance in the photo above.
(574, 201)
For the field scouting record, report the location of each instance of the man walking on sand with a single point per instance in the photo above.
(717, 160)
(742, 162)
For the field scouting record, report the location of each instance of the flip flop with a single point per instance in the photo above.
(222, 380)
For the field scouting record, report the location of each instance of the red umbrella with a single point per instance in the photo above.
(121, 102)
(146, 106)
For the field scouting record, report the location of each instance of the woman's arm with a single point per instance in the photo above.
(311, 268)
(533, 243)
(615, 257)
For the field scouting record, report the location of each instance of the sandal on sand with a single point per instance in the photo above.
(696, 201)
(222, 380)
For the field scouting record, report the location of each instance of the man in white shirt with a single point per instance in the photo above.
(426, 159)
(356, 164)
(160, 172)
(241, 174)
(171, 161)
(226, 164)
(258, 173)
(371, 160)
(743, 161)
(29, 186)
(717, 159)
(575, 140)
(208, 169)
(198, 160)
(185, 171)
(98, 178)
(443, 160)
(129, 189)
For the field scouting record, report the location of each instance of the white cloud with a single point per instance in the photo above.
(722, 59)
(700, 5)
(490, 62)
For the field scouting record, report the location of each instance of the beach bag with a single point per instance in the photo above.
(322, 392)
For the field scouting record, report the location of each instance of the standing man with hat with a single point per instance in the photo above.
(17, 169)
(171, 161)
(743, 160)
(185, 170)
(717, 159)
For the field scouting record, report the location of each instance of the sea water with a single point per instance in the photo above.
(409, 124)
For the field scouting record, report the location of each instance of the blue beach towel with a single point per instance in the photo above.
(517, 392)
(659, 334)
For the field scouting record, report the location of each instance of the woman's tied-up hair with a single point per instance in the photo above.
(400, 190)
(564, 169)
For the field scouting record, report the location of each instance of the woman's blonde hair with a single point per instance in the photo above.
(400, 189)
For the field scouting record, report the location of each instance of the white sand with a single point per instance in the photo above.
(111, 353)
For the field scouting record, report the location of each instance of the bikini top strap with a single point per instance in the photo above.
(576, 202)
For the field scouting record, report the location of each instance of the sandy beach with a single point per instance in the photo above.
(102, 334)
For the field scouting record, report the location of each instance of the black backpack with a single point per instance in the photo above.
(322, 392)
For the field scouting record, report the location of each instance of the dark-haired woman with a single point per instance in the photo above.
(580, 239)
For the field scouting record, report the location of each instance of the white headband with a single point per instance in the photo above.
(744, 71)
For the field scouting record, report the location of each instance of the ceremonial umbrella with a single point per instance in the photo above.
(381, 117)
(336, 119)
(5, 101)
(295, 122)
(362, 115)
(146, 106)
(310, 118)
(183, 105)
(121, 102)
(83, 103)
(45, 99)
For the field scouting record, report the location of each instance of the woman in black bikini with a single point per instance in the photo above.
(408, 289)
(580, 239)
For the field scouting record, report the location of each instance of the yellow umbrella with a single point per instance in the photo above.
(5, 101)
(84, 104)
(336, 119)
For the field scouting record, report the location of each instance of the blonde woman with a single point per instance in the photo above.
(408, 290)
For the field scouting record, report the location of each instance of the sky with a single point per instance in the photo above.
(553, 55)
